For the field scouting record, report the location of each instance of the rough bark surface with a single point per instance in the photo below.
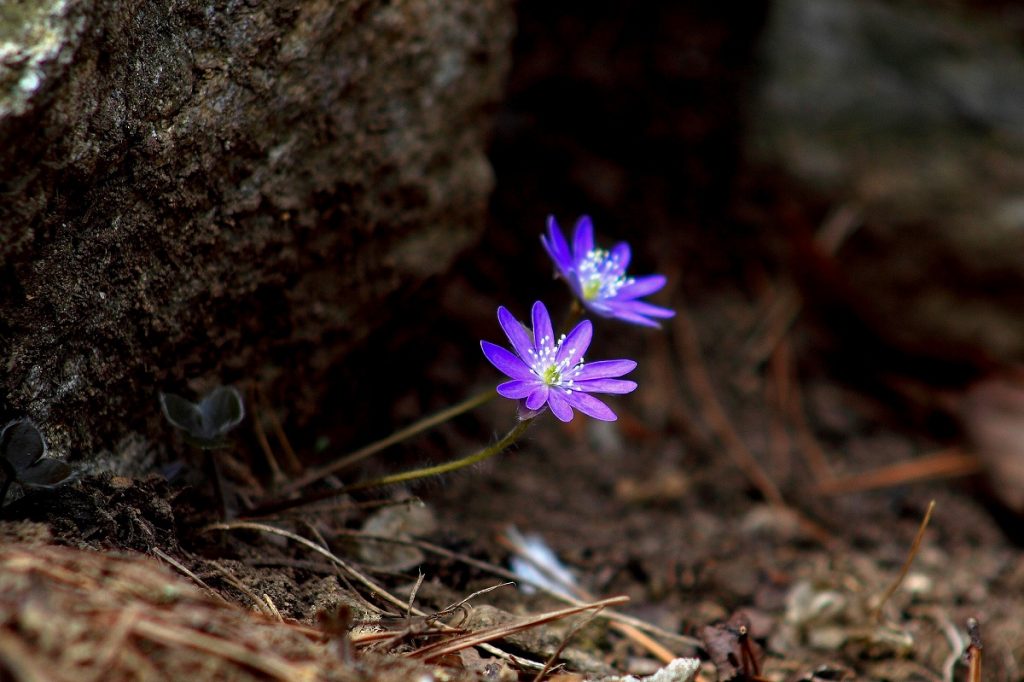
(227, 189)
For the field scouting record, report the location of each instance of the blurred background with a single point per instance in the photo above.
(865, 159)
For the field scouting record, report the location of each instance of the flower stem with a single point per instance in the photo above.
(8, 479)
(402, 477)
(413, 429)
(573, 315)
(447, 467)
(213, 473)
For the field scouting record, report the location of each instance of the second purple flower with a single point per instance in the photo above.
(546, 371)
(598, 277)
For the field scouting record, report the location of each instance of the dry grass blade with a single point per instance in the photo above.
(606, 614)
(659, 651)
(276, 475)
(294, 463)
(115, 641)
(713, 412)
(271, 665)
(345, 566)
(273, 608)
(469, 639)
(185, 571)
(17, 659)
(564, 643)
(85, 615)
(877, 615)
(412, 594)
(719, 422)
(233, 580)
(359, 577)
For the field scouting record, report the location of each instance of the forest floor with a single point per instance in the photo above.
(722, 497)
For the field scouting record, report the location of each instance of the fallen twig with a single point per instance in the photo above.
(950, 463)
(294, 463)
(277, 476)
(973, 652)
(717, 419)
(713, 412)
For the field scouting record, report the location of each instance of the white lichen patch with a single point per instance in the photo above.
(34, 37)
(679, 670)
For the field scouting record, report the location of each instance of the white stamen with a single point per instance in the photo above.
(601, 275)
(544, 364)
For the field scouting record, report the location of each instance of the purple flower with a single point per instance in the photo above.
(546, 372)
(598, 277)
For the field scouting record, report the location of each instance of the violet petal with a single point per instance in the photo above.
(538, 397)
(591, 406)
(643, 308)
(556, 245)
(583, 239)
(613, 386)
(641, 286)
(506, 361)
(623, 254)
(605, 369)
(543, 335)
(518, 389)
(517, 334)
(576, 343)
(558, 402)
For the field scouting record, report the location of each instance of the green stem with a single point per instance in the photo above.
(575, 314)
(447, 467)
(213, 473)
(6, 486)
(397, 437)
(402, 477)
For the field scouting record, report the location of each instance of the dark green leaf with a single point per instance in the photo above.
(222, 411)
(184, 414)
(21, 444)
(46, 473)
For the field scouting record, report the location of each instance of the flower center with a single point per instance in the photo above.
(544, 364)
(601, 275)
